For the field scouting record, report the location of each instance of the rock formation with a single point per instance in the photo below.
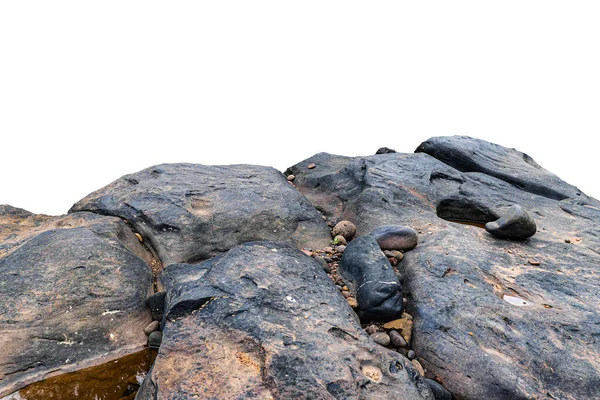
(235, 273)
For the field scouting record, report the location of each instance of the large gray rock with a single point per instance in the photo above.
(372, 280)
(468, 154)
(191, 212)
(466, 289)
(264, 321)
(73, 294)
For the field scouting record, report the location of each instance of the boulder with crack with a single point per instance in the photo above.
(73, 294)
(264, 321)
(493, 318)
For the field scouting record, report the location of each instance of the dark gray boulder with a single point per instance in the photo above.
(371, 278)
(514, 224)
(73, 293)
(468, 154)
(191, 212)
(264, 321)
(466, 288)
(394, 237)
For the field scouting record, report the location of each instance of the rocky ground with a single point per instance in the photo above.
(463, 270)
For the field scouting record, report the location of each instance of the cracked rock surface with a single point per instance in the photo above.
(264, 321)
(73, 294)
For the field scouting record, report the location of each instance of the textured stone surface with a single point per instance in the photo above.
(461, 282)
(191, 212)
(264, 321)
(370, 277)
(72, 294)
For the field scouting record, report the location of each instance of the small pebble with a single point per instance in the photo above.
(311, 166)
(344, 228)
(535, 262)
(411, 354)
(328, 259)
(346, 294)
(371, 329)
(345, 288)
(291, 178)
(152, 326)
(307, 252)
(140, 238)
(340, 249)
(339, 287)
(352, 302)
(381, 338)
(397, 339)
(328, 250)
(155, 339)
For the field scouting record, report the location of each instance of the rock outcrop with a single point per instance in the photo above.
(264, 321)
(493, 318)
(73, 294)
(191, 212)
(499, 299)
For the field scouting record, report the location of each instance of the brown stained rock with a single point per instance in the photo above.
(108, 381)
(73, 294)
(258, 323)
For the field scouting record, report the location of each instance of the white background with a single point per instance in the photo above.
(90, 91)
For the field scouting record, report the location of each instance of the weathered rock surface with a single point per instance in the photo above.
(264, 321)
(73, 294)
(371, 278)
(191, 212)
(461, 281)
(515, 224)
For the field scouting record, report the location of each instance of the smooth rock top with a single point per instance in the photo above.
(264, 321)
(393, 237)
(191, 212)
(468, 154)
(515, 224)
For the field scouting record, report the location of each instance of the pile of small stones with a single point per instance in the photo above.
(395, 335)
